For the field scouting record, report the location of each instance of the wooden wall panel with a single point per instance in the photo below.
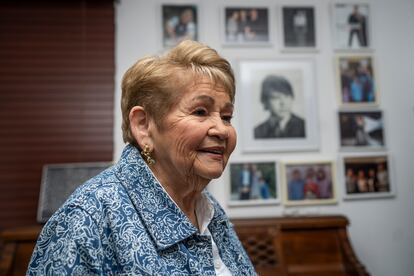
(56, 94)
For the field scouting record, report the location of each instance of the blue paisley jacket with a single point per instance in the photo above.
(122, 222)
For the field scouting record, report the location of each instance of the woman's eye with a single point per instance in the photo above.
(200, 112)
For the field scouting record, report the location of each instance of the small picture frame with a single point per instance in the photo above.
(361, 130)
(254, 183)
(179, 22)
(246, 25)
(298, 27)
(356, 81)
(309, 183)
(367, 176)
(278, 100)
(351, 26)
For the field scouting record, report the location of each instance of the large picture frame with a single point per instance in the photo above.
(309, 183)
(179, 22)
(367, 175)
(60, 180)
(254, 183)
(356, 81)
(351, 26)
(243, 25)
(278, 103)
(361, 130)
(297, 27)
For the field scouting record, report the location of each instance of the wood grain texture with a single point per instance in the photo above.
(56, 94)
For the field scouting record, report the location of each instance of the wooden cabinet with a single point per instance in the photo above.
(277, 246)
(299, 246)
(16, 247)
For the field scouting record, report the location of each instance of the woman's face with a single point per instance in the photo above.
(196, 137)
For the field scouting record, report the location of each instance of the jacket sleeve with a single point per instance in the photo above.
(69, 244)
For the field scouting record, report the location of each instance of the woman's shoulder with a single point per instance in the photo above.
(97, 196)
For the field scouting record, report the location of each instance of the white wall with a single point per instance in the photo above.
(381, 230)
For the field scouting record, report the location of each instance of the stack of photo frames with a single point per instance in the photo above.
(279, 100)
(364, 163)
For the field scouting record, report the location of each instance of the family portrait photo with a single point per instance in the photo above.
(246, 25)
(299, 27)
(278, 100)
(179, 23)
(253, 183)
(309, 183)
(356, 80)
(351, 26)
(361, 129)
(366, 176)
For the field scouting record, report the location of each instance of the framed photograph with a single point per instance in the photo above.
(361, 130)
(246, 25)
(367, 176)
(298, 27)
(351, 26)
(253, 183)
(59, 181)
(356, 81)
(278, 100)
(179, 22)
(309, 183)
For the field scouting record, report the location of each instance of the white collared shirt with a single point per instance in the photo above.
(205, 213)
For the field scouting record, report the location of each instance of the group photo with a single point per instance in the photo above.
(246, 25)
(367, 175)
(309, 183)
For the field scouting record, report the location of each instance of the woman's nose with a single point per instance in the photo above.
(219, 129)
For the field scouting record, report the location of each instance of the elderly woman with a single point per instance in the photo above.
(149, 214)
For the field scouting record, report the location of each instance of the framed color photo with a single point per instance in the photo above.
(361, 130)
(179, 22)
(253, 183)
(278, 100)
(356, 81)
(351, 22)
(244, 25)
(367, 176)
(309, 183)
(299, 31)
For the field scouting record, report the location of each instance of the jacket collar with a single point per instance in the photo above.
(163, 219)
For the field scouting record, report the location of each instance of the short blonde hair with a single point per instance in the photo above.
(156, 82)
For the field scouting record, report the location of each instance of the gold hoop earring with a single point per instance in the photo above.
(146, 154)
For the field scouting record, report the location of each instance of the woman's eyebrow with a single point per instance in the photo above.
(205, 98)
(211, 101)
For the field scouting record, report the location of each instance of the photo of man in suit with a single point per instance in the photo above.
(277, 97)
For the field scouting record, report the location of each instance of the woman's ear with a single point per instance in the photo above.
(139, 122)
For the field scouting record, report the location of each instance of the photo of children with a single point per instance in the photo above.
(361, 129)
(253, 182)
(366, 175)
(309, 183)
(246, 25)
(357, 80)
(179, 23)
